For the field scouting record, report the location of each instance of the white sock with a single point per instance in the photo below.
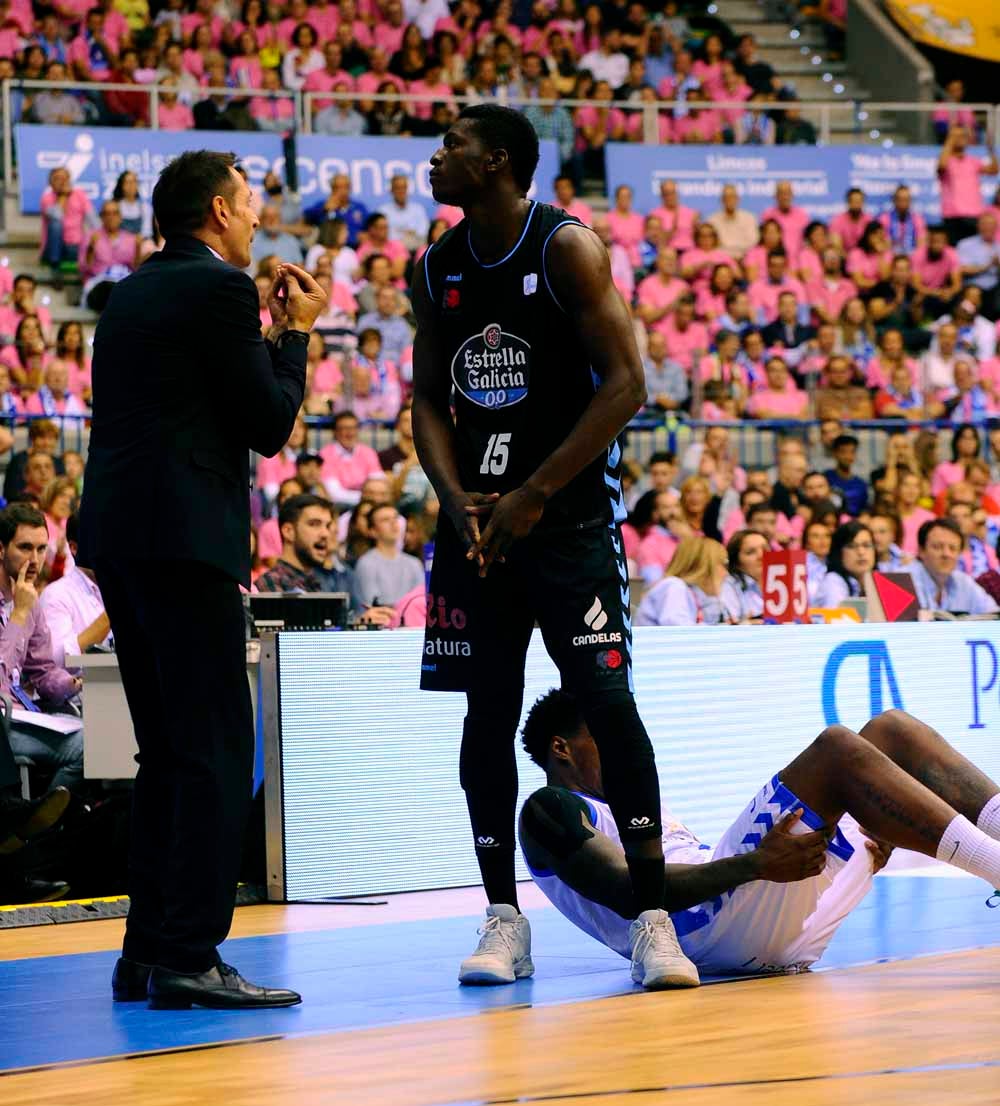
(989, 818)
(966, 847)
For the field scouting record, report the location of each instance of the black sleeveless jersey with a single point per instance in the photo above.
(520, 374)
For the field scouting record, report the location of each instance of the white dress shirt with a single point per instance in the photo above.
(70, 604)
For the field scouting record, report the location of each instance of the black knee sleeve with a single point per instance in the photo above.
(488, 770)
(628, 765)
(554, 820)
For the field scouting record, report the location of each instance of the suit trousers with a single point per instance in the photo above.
(179, 632)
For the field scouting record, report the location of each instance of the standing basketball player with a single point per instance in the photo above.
(517, 313)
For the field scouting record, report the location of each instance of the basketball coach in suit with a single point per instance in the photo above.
(184, 387)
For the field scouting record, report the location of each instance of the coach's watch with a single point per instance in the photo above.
(291, 336)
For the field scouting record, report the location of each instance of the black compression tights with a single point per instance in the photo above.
(488, 774)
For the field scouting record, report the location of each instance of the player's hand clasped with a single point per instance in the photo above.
(511, 517)
(786, 857)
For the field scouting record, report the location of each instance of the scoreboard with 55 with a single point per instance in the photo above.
(786, 592)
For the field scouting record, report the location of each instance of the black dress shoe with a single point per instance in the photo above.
(220, 988)
(22, 819)
(22, 891)
(130, 981)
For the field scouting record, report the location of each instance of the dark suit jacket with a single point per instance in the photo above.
(184, 387)
(774, 333)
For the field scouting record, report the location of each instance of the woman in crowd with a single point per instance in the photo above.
(71, 348)
(271, 471)
(27, 358)
(359, 536)
(869, 262)
(136, 213)
(648, 543)
(376, 389)
(698, 512)
(965, 446)
(57, 502)
(887, 532)
(755, 259)
(891, 355)
(851, 559)
(302, 59)
(699, 263)
(911, 514)
(410, 60)
(332, 243)
(745, 551)
(810, 260)
(697, 589)
(324, 378)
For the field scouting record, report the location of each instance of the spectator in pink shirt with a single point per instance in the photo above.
(908, 495)
(597, 124)
(847, 227)
(566, 198)
(792, 220)
(373, 79)
(271, 471)
(430, 84)
(711, 302)
(360, 30)
(708, 69)
(268, 533)
(966, 446)
(22, 302)
(724, 367)
(203, 15)
(764, 294)
(272, 113)
(950, 114)
(659, 293)
(622, 272)
(937, 272)
(172, 115)
(109, 245)
(66, 215)
(755, 259)
(377, 241)
(698, 264)
(810, 259)
(329, 77)
(698, 123)
(11, 404)
(200, 53)
(324, 19)
(27, 356)
(818, 351)
(958, 174)
(389, 33)
(829, 294)
(54, 397)
(377, 395)
(92, 54)
(302, 59)
(891, 352)
(781, 399)
(246, 68)
(324, 379)
(869, 262)
(348, 463)
(678, 221)
(654, 544)
(734, 90)
(626, 225)
(71, 349)
(685, 337)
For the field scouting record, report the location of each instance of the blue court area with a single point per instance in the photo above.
(58, 1009)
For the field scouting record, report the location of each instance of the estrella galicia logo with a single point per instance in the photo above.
(492, 368)
(880, 671)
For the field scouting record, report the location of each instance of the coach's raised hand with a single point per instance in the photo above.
(787, 857)
(304, 300)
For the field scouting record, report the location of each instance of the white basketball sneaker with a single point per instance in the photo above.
(504, 952)
(657, 958)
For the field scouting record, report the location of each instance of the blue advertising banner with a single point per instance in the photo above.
(820, 175)
(96, 156)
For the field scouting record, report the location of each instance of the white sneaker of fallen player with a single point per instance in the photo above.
(657, 958)
(504, 952)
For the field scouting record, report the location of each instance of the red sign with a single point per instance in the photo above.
(786, 592)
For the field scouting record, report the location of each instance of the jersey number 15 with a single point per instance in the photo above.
(496, 456)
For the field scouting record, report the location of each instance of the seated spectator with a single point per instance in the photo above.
(949, 115)
(659, 293)
(607, 63)
(108, 256)
(396, 333)
(810, 260)
(697, 122)
(912, 515)
(849, 564)
(72, 606)
(339, 205)
(781, 399)
(376, 393)
(377, 241)
(891, 353)
(649, 545)
(136, 212)
(816, 540)
(91, 54)
(792, 220)
(67, 213)
(725, 367)
(309, 473)
(388, 117)
(302, 59)
(887, 533)
(937, 365)
(745, 553)
(857, 333)
(172, 113)
(902, 399)
(666, 382)
(269, 532)
(385, 574)
(816, 352)
(377, 275)
(829, 293)
(347, 462)
(26, 650)
(696, 590)
(906, 229)
(54, 398)
(979, 255)
(324, 379)
(977, 556)
(940, 584)
(698, 512)
(272, 113)
(23, 302)
(783, 330)
(340, 117)
(869, 262)
(738, 315)
(853, 489)
(847, 228)
(699, 263)
(406, 219)
(270, 239)
(684, 336)
(331, 243)
(843, 397)
(752, 357)
(735, 228)
(566, 198)
(968, 401)
(710, 303)
(678, 221)
(897, 304)
(27, 358)
(43, 439)
(792, 129)
(976, 333)
(626, 225)
(57, 106)
(758, 74)
(755, 259)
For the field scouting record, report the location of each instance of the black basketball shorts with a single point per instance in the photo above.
(573, 583)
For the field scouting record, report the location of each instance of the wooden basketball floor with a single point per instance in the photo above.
(385, 1023)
